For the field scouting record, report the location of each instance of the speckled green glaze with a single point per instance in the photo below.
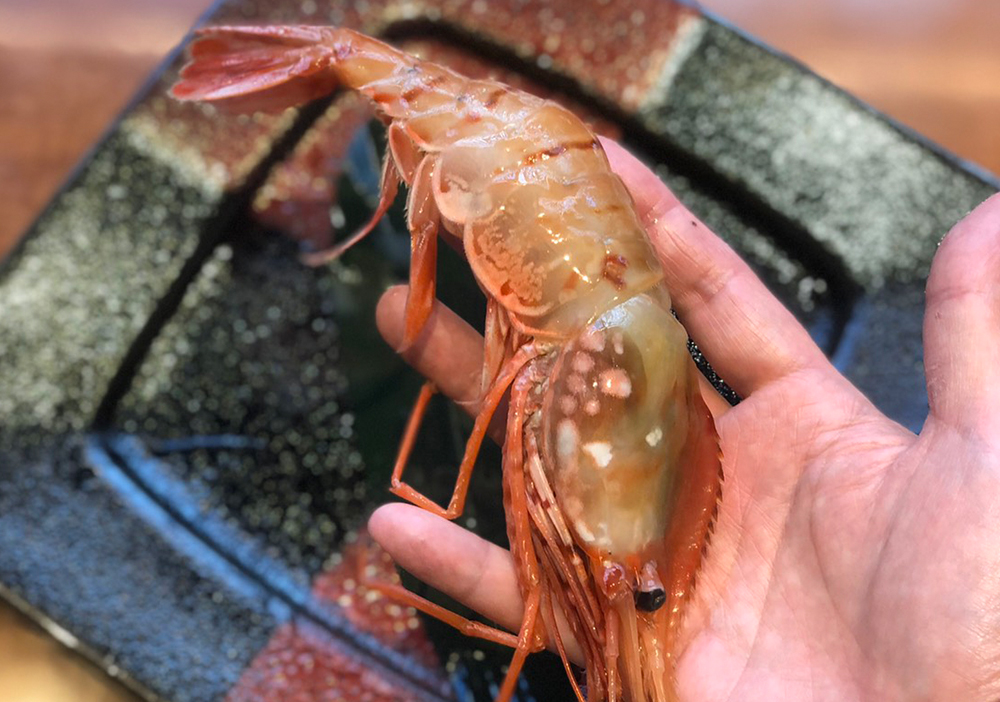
(83, 284)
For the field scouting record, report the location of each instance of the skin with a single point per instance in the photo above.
(852, 560)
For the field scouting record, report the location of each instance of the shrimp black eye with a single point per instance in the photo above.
(650, 600)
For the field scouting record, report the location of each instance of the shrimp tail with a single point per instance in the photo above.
(259, 68)
(243, 69)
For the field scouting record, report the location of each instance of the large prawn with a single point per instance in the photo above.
(611, 466)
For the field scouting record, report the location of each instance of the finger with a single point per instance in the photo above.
(962, 324)
(717, 404)
(460, 564)
(750, 338)
(448, 352)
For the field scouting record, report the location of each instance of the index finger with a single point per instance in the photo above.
(750, 338)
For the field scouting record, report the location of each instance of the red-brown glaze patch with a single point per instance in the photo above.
(615, 49)
(395, 626)
(297, 196)
(304, 663)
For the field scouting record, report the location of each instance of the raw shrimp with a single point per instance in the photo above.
(611, 469)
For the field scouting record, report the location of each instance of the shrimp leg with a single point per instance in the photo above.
(423, 221)
(531, 637)
(402, 596)
(389, 188)
(398, 164)
(524, 643)
(489, 405)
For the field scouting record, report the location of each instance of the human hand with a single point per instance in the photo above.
(851, 559)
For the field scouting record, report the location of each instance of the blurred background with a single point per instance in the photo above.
(67, 69)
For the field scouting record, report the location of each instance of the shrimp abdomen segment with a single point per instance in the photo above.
(558, 251)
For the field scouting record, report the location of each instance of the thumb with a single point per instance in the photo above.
(962, 324)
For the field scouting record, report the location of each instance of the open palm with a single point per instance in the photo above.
(851, 560)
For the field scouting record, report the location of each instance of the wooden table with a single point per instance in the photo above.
(66, 69)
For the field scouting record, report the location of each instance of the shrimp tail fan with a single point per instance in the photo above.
(245, 69)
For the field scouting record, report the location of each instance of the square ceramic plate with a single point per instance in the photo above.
(194, 425)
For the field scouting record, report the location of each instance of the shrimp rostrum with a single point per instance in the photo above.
(611, 465)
